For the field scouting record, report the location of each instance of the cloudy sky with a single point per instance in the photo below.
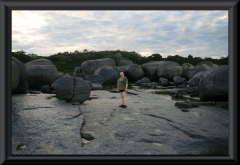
(199, 33)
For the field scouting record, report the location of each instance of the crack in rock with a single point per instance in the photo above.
(189, 134)
(159, 117)
(74, 116)
(32, 108)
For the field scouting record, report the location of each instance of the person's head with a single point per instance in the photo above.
(121, 74)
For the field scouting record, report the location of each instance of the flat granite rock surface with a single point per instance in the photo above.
(150, 125)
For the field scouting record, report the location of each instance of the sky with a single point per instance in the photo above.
(201, 33)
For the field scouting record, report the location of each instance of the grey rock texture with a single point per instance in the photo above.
(199, 74)
(121, 69)
(169, 69)
(178, 80)
(150, 125)
(202, 66)
(45, 125)
(72, 89)
(163, 82)
(109, 74)
(46, 89)
(95, 78)
(63, 88)
(134, 72)
(143, 80)
(22, 86)
(90, 66)
(41, 72)
(80, 75)
(185, 68)
(193, 82)
(78, 69)
(81, 90)
(213, 85)
(150, 69)
(15, 75)
(121, 61)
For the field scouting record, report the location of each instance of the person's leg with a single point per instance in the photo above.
(121, 93)
(124, 98)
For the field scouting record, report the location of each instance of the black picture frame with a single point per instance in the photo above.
(6, 6)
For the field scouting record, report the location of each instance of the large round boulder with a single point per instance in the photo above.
(134, 72)
(213, 85)
(95, 78)
(78, 69)
(193, 82)
(82, 90)
(121, 61)
(121, 68)
(80, 75)
(169, 69)
(63, 87)
(178, 80)
(150, 69)
(185, 68)
(143, 80)
(109, 74)
(41, 72)
(202, 66)
(22, 86)
(199, 75)
(15, 75)
(163, 82)
(90, 66)
(72, 89)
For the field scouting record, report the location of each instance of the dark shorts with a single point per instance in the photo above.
(121, 91)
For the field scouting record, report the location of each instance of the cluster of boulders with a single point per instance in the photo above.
(42, 73)
(211, 81)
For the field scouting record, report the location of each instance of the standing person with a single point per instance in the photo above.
(122, 86)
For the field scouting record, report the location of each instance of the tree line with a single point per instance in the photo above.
(67, 61)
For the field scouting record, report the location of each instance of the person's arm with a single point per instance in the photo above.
(117, 87)
(126, 88)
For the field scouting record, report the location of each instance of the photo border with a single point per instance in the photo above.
(6, 6)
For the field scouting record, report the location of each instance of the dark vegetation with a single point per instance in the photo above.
(67, 61)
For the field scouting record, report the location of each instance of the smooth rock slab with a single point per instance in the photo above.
(45, 125)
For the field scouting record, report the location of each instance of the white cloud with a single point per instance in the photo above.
(200, 33)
